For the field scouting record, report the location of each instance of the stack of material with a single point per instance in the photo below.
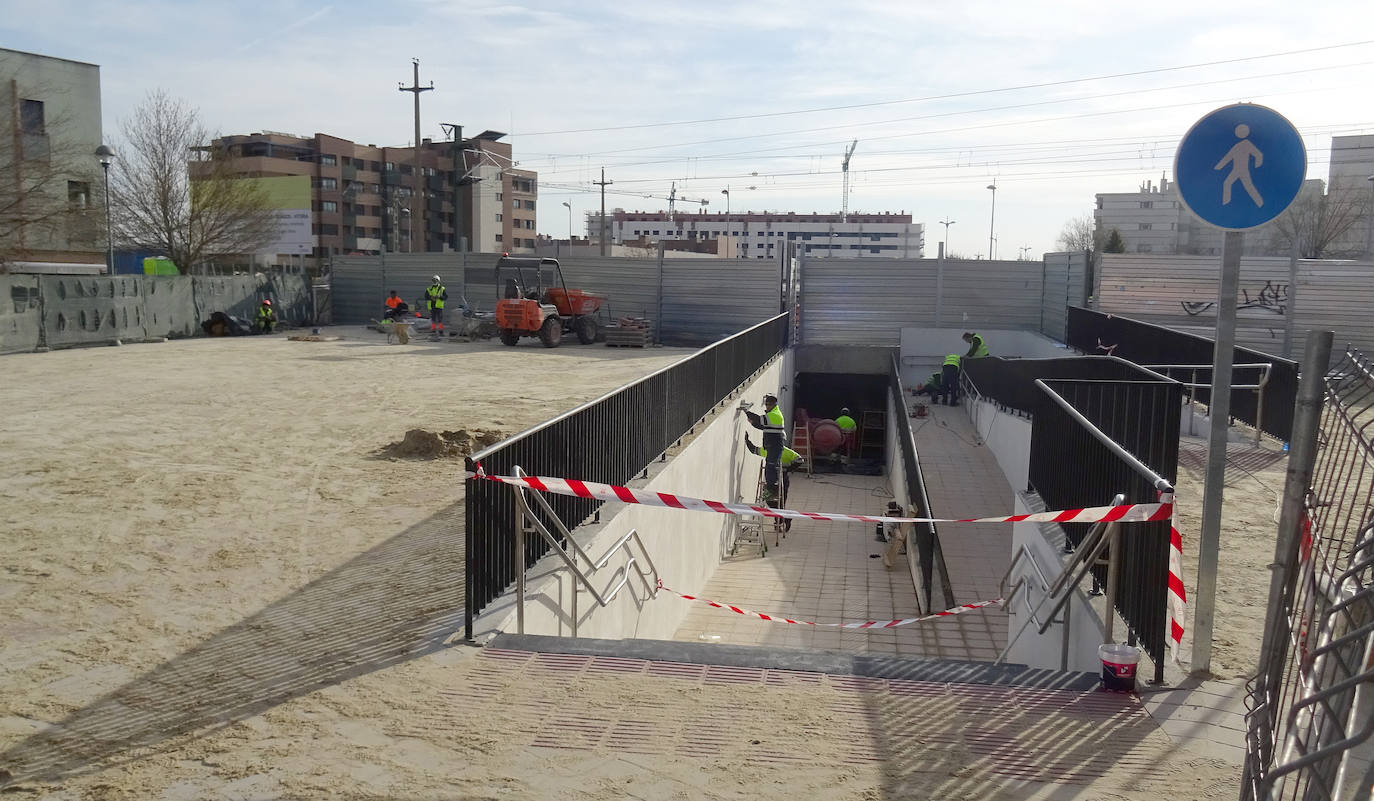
(630, 332)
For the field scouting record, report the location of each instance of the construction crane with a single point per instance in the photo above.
(844, 202)
(673, 198)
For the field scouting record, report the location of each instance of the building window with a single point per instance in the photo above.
(329, 160)
(1147, 204)
(32, 119)
(516, 203)
(655, 233)
(406, 169)
(498, 237)
(390, 166)
(529, 204)
(498, 218)
(874, 250)
(327, 183)
(529, 224)
(78, 194)
(498, 197)
(1146, 226)
(328, 205)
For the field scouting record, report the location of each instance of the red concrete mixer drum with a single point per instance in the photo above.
(826, 437)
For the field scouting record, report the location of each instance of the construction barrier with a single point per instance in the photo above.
(63, 311)
(867, 624)
(21, 321)
(1126, 513)
(90, 310)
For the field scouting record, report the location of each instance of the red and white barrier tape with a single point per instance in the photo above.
(868, 624)
(1127, 513)
(1178, 596)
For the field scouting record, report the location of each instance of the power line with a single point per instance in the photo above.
(954, 95)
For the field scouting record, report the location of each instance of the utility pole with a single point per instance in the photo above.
(459, 168)
(603, 183)
(417, 203)
(992, 217)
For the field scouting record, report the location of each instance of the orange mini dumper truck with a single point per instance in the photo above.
(528, 305)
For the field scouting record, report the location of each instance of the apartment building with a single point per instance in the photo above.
(363, 197)
(1153, 219)
(52, 197)
(1351, 173)
(764, 235)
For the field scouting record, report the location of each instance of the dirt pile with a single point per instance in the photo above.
(419, 443)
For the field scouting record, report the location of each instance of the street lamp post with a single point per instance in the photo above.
(569, 207)
(726, 192)
(947, 222)
(992, 218)
(106, 155)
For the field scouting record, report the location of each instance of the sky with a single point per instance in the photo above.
(1053, 100)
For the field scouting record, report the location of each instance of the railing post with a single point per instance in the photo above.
(519, 557)
(1113, 579)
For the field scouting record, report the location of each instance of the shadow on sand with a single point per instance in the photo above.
(396, 602)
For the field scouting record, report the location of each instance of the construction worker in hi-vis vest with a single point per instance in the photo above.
(773, 427)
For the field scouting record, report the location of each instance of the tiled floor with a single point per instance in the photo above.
(833, 573)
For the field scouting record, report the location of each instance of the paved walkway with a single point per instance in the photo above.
(833, 573)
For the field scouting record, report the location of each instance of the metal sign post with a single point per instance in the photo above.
(1237, 168)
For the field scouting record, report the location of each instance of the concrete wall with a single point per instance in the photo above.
(21, 322)
(63, 311)
(1008, 437)
(685, 546)
(843, 359)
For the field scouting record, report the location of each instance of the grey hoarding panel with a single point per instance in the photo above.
(1064, 276)
(1181, 291)
(89, 311)
(291, 298)
(360, 283)
(169, 307)
(992, 294)
(238, 295)
(20, 317)
(708, 299)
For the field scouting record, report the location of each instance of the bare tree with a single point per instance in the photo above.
(175, 192)
(1320, 222)
(1079, 235)
(49, 179)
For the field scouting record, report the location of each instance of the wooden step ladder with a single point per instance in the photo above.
(872, 432)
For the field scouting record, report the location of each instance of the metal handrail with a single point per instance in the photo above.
(1044, 582)
(1160, 483)
(1086, 555)
(525, 514)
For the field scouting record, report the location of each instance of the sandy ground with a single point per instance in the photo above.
(1254, 481)
(195, 533)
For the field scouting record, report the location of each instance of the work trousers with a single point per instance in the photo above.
(949, 385)
(772, 443)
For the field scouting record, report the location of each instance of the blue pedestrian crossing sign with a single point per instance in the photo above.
(1240, 166)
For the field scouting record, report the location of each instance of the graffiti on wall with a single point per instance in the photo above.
(1271, 297)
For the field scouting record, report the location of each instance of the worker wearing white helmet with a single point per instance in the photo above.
(435, 295)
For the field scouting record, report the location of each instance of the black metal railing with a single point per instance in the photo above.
(1010, 383)
(1143, 343)
(610, 440)
(930, 558)
(1094, 439)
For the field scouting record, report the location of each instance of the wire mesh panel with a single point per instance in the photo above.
(1305, 705)
(609, 440)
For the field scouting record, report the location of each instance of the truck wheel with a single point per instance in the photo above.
(586, 330)
(509, 337)
(551, 332)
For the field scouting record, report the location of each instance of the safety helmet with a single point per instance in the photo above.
(267, 303)
(435, 280)
(845, 410)
(769, 396)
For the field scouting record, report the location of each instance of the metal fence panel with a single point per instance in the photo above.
(609, 440)
(707, 299)
(1181, 291)
(1144, 343)
(929, 555)
(868, 302)
(1070, 468)
(360, 283)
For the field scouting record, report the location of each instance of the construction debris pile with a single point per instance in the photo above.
(419, 443)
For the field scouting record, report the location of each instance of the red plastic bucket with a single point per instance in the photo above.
(1118, 667)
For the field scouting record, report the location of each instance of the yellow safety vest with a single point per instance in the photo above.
(952, 359)
(788, 455)
(775, 417)
(435, 295)
(980, 349)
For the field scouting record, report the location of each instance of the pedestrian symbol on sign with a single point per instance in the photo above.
(1240, 166)
(1239, 158)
